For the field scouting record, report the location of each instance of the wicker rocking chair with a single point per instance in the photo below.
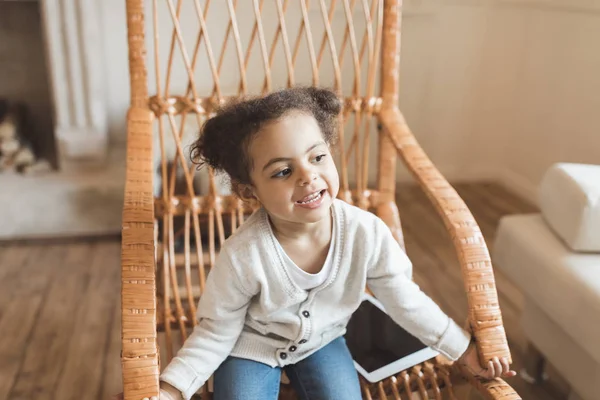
(175, 218)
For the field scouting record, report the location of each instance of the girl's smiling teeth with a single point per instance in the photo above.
(312, 198)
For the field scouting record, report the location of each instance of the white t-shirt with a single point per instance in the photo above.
(306, 280)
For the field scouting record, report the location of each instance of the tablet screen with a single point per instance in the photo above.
(375, 340)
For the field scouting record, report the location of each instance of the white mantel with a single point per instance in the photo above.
(76, 64)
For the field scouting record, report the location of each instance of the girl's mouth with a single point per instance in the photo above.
(313, 200)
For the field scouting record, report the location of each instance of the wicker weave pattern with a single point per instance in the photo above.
(170, 239)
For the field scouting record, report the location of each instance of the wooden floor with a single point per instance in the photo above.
(59, 302)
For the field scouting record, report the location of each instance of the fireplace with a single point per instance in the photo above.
(26, 126)
(54, 66)
(53, 70)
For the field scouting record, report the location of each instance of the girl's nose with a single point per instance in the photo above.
(307, 176)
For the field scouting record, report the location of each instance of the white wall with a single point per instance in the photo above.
(514, 87)
(440, 58)
(493, 89)
(539, 86)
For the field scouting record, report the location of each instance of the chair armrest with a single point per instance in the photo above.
(139, 356)
(492, 389)
(484, 316)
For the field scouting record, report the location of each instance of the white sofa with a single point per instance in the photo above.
(554, 257)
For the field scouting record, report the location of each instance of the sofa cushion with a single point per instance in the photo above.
(569, 197)
(563, 284)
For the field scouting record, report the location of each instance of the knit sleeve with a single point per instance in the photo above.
(221, 316)
(389, 278)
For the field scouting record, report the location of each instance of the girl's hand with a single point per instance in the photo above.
(496, 368)
(167, 392)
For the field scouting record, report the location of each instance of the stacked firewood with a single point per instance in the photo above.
(16, 153)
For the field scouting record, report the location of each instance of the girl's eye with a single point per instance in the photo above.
(283, 173)
(320, 157)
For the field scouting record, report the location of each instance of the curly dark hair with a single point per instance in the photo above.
(225, 139)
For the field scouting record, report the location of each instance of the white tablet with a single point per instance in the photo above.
(380, 347)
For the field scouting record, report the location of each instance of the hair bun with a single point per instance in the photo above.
(327, 100)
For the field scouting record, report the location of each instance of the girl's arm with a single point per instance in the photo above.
(221, 316)
(389, 278)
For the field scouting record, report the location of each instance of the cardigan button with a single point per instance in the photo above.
(302, 341)
(306, 314)
(283, 356)
(293, 348)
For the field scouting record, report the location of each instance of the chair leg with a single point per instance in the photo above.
(535, 363)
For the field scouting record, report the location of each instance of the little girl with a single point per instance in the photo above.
(286, 283)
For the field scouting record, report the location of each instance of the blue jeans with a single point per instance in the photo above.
(328, 374)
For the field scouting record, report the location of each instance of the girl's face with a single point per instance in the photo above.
(293, 174)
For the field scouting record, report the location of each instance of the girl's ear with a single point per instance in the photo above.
(246, 193)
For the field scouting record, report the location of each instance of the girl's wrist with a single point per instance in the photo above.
(472, 347)
(171, 391)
